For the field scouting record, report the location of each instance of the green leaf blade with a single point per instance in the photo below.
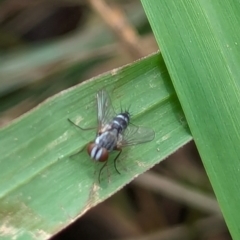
(42, 189)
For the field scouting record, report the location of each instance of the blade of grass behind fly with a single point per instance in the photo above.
(200, 44)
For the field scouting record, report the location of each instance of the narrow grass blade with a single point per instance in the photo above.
(200, 44)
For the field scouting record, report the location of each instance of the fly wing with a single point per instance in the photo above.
(106, 112)
(134, 135)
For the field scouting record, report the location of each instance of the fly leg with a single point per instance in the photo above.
(77, 152)
(83, 129)
(100, 172)
(115, 166)
(120, 162)
(115, 160)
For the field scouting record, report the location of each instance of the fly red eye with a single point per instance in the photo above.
(90, 147)
(104, 155)
(97, 153)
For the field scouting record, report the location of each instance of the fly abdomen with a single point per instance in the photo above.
(121, 121)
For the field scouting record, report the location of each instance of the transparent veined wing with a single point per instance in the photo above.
(105, 109)
(134, 135)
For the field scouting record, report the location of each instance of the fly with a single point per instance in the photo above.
(114, 132)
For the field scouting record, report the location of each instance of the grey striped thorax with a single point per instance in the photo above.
(109, 136)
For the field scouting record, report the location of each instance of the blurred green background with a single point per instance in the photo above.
(49, 46)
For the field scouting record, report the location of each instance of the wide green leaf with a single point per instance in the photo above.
(42, 189)
(199, 41)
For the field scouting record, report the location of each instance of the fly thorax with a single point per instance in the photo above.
(107, 140)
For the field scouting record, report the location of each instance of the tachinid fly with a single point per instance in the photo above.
(114, 132)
